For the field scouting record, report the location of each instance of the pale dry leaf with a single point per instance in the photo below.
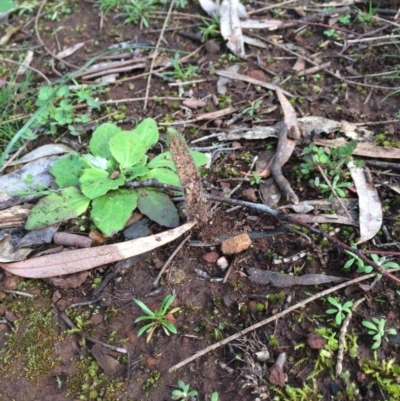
(366, 149)
(290, 118)
(15, 216)
(209, 7)
(245, 78)
(324, 218)
(79, 260)
(42, 151)
(70, 50)
(7, 252)
(257, 132)
(270, 24)
(230, 26)
(318, 125)
(395, 188)
(369, 204)
(222, 83)
(254, 42)
(15, 185)
(26, 63)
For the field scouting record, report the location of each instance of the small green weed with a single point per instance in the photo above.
(385, 373)
(336, 187)
(366, 17)
(340, 310)
(331, 33)
(137, 11)
(377, 331)
(211, 29)
(184, 392)
(98, 179)
(158, 318)
(255, 179)
(61, 112)
(179, 72)
(253, 108)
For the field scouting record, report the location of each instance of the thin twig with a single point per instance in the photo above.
(342, 337)
(155, 54)
(266, 321)
(70, 324)
(167, 263)
(23, 294)
(333, 191)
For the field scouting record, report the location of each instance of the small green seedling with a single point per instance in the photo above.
(60, 112)
(331, 33)
(336, 187)
(340, 309)
(362, 267)
(158, 318)
(253, 108)
(184, 392)
(378, 331)
(214, 396)
(98, 179)
(255, 179)
(381, 262)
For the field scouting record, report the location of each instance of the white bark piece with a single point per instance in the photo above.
(230, 26)
(70, 50)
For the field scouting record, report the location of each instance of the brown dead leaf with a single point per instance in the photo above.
(85, 259)
(279, 280)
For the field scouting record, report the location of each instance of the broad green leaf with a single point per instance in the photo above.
(68, 170)
(7, 5)
(157, 207)
(163, 175)
(127, 148)
(144, 328)
(170, 327)
(99, 144)
(68, 204)
(133, 172)
(162, 160)
(165, 160)
(96, 182)
(330, 311)
(111, 212)
(147, 131)
(144, 307)
(369, 325)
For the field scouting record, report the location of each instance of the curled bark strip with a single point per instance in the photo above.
(342, 337)
(278, 161)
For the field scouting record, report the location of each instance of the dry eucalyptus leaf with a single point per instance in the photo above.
(85, 259)
(42, 151)
(369, 204)
(267, 277)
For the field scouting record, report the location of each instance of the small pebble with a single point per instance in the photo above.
(222, 263)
